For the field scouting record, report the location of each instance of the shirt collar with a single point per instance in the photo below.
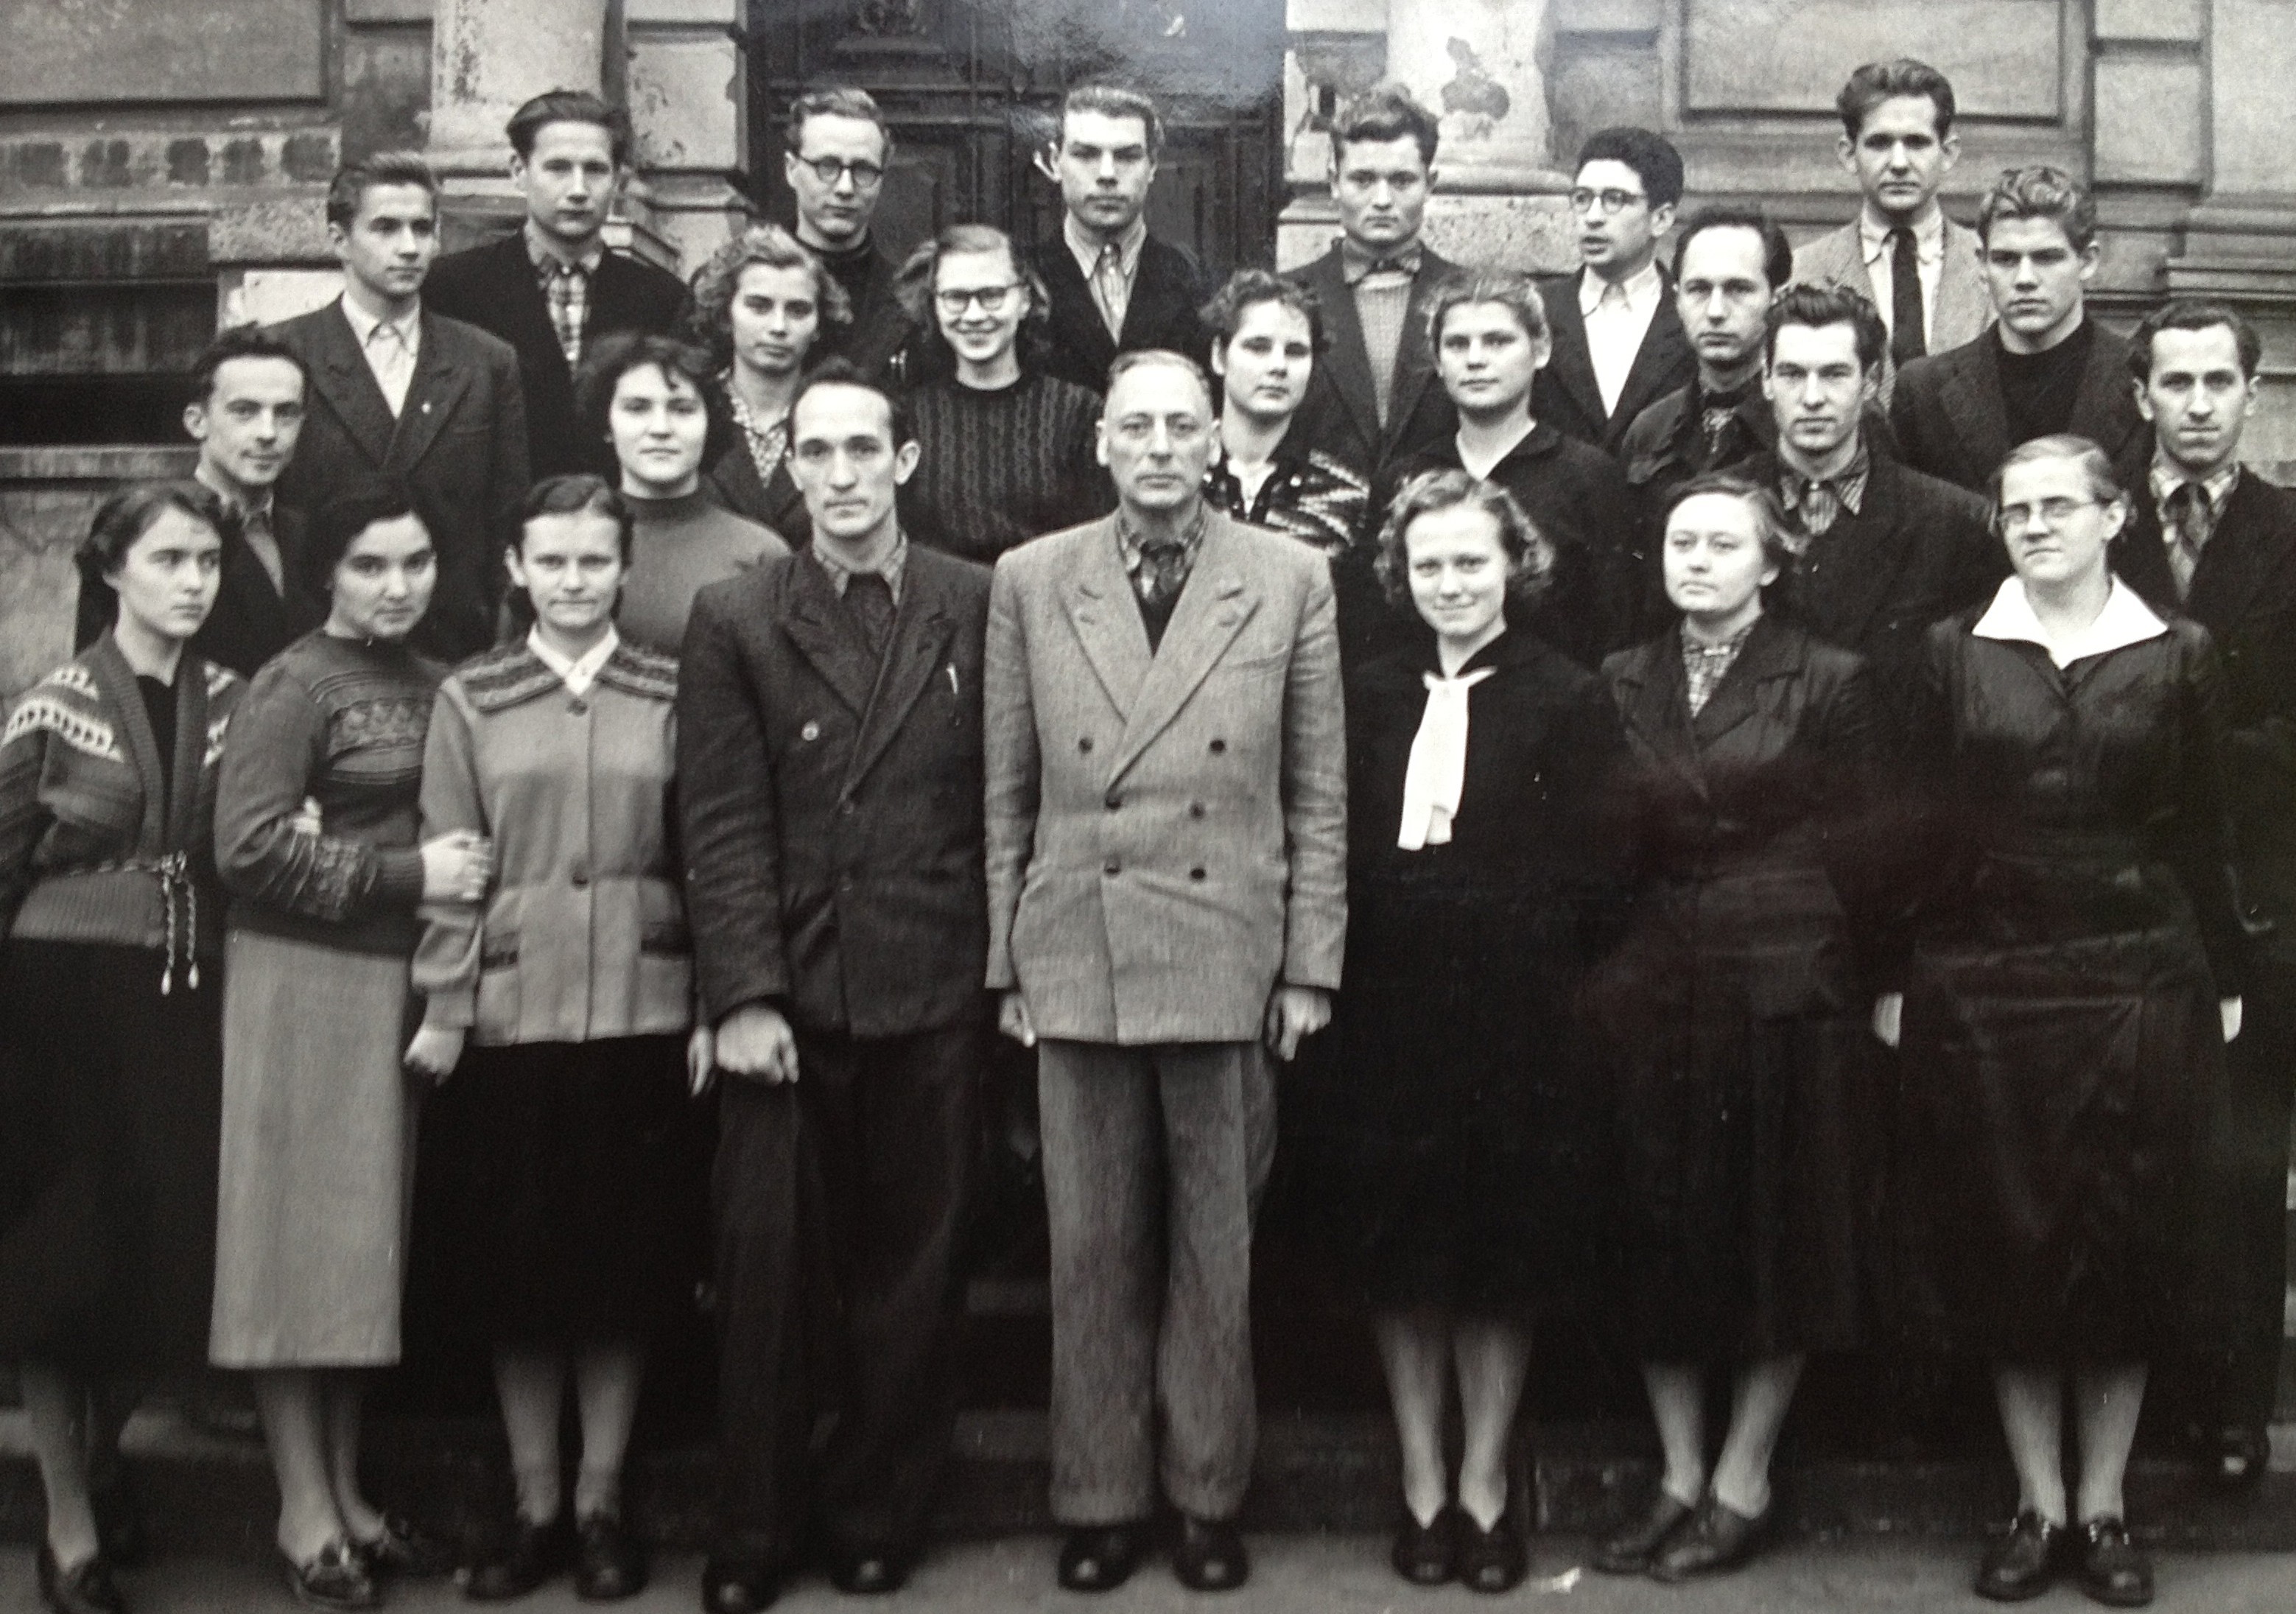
(1848, 483)
(896, 561)
(1355, 262)
(1641, 287)
(1129, 549)
(1087, 250)
(2125, 620)
(577, 673)
(2168, 476)
(363, 325)
(546, 261)
(245, 508)
(1929, 236)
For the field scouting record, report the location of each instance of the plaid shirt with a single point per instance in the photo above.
(1705, 666)
(1150, 582)
(566, 288)
(890, 568)
(768, 440)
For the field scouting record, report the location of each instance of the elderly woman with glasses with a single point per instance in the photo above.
(2075, 961)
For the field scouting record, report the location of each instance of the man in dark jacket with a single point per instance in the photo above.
(1115, 288)
(2045, 367)
(2217, 543)
(830, 772)
(551, 288)
(839, 145)
(398, 390)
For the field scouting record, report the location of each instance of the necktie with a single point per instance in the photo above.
(1906, 338)
(1818, 505)
(1438, 769)
(1161, 570)
(1109, 289)
(392, 363)
(2188, 512)
(1715, 424)
(870, 598)
(255, 527)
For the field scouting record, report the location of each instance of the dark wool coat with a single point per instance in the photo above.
(1340, 413)
(1167, 289)
(1567, 396)
(1951, 422)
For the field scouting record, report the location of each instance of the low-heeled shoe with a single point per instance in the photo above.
(88, 1589)
(533, 1554)
(609, 1563)
(1425, 1554)
(1631, 1551)
(868, 1574)
(1101, 1557)
(729, 1587)
(2113, 1569)
(1718, 1537)
(2025, 1562)
(2241, 1454)
(1208, 1554)
(1492, 1561)
(335, 1576)
(405, 1552)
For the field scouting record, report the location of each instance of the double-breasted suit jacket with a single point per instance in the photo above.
(1168, 288)
(1566, 395)
(831, 807)
(1963, 309)
(459, 442)
(1340, 413)
(1167, 830)
(1951, 422)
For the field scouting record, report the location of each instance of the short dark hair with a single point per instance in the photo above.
(913, 287)
(1529, 554)
(1652, 158)
(1769, 515)
(239, 341)
(838, 371)
(1777, 251)
(2193, 314)
(1879, 81)
(354, 180)
(2040, 192)
(1111, 101)
(571, 106)
(833, 101)
(619, 352)
(1246, 289)
(1385, 112)
(126, 514)
(573, 494)
(355, 505)
(1822, 305)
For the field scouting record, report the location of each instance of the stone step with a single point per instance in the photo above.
(212, 1493)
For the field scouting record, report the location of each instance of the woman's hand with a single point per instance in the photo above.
(1012, 1018)
(436, 1051)
(701, 1061)
(1888, 1018)
(755, 1041)
(456, 867)
(2228, 1011)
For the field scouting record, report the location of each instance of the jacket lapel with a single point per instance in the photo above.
(342, 378)
(2139, 556)
(1971, 397)
(1663, 355)
(1768, 654)
(921, 630)
(1415, 355)
(1654, 697)
(814, 622)
(1863, 556)
(1211, 609)
(2104, 407)
(439, 383)
(1571, 364)
(1350, 367)
(2233, 581)
(1076, 324)
(1964, 306)
(1107, 622)
(117, 680)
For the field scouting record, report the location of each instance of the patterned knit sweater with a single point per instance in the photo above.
(1003, 466)
(89, 849)
(340, 722)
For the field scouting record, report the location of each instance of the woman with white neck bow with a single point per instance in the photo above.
(1458, 1133)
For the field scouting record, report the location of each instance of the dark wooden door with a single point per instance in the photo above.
(970, 86)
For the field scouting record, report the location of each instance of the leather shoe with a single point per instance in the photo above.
(1492, 1561)
(1424, 1554)
(88, 1589)
(405, 1552)
(535, 1553)
(336, 1577)
(609, 1565)
(732, 1587)
(2025, 1562)
(2242, 1453)
(2113, 1569)
(1101, 1557)
(1208, 1554)
(1716, 1537)
(1631, 1549)
(868, 1574)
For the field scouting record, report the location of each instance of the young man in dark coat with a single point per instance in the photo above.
(830, 772)
(551, 288)
(839, 145)
(399, 391)
(2045, 368)
(1619, 342)
(2217, 543)
(1373, 397)
(1115, 288)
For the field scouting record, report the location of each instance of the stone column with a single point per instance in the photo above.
(487, 56)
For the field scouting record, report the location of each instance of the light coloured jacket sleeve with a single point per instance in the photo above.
(1010, 767)
(447, 959)
(1314, 798)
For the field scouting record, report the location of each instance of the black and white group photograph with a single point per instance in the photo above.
(1321, 807)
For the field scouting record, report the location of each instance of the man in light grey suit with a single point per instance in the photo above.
(1902, 254)
(1167, 799)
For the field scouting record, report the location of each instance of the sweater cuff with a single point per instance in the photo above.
(454, 1010)
(397, 879)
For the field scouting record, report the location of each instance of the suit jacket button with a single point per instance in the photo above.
(579, 874)
(1195, 809)
(845, 809)
(1085, 744)
(1195, 873)
(577, 706)
(1114, 801)
(1219, 746)
(809, 733)
(1111, 867)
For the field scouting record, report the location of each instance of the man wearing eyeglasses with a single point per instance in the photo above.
(839, 144)
(1619, 342)
(1166, 823)
(551, 288)
(1115, 288)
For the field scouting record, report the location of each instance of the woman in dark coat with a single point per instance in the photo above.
(1735, 1019)
(110, 1067)
(1478, 767)
(2077, 958)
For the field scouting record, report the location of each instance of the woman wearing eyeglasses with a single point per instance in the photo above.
(1007, 450)
(2075, 969)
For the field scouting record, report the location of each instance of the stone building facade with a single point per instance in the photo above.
(162, 164)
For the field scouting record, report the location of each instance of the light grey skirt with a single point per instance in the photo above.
(318, 1154)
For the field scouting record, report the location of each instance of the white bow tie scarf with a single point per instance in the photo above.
(1438, 769)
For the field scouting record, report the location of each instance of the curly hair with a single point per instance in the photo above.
(913, 287)
(1530, 555)
(771, 247)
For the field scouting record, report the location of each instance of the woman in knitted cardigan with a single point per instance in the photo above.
(110, 1067)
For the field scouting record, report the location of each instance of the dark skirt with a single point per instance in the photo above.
(1456, 1135)
(2055, 1129)
(583, 1189)
(112, 1098)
